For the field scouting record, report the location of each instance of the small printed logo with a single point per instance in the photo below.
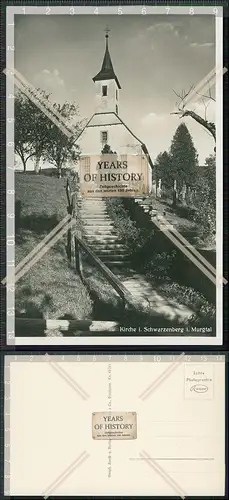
(199, 381)
(200, 388)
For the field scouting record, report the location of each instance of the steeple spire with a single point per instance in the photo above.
(107, 30)
(107, 70)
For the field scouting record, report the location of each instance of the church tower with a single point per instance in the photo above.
(107, 85)
(105, 127)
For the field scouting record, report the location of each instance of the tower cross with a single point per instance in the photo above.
(107, 30)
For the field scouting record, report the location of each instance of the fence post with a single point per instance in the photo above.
(68, 192)
(69, 245)
(74, 205)
(78, 265)
(123, 303)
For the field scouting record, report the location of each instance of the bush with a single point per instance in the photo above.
(127, 229)
(205, 200)
(193, 299)
(160, 266)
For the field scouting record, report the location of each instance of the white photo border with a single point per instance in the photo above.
(10, 180)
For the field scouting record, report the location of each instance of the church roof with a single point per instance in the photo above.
(107, 70)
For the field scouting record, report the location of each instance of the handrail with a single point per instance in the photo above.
(111, 278)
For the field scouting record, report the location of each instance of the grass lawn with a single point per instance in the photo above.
(50, 289)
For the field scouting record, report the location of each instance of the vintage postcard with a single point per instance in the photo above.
(115, 425)
(114, 175)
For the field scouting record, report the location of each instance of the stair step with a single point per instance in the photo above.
(112, 257)
(106, 238)
(118, 263)
(107, 247)
(98, 223)
(92, 240)
(95, 217)
(112, 251)
(100, 234)
(93, 206)
(91, 200)
(98, 227)
(93, 213)
(134, 288)
(90, 227)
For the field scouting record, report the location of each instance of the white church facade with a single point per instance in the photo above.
(105, 126)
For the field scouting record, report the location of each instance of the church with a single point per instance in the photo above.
(105, 126)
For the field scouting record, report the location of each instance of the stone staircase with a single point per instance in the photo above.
(155, 214)
(151, 302)
(100, 235)
(147, 208)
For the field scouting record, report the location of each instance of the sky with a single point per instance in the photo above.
(152, 56)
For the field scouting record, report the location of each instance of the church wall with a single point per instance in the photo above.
(119, 139)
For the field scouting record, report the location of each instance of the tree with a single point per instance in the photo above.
(163, 170)
(30, 128)
(107, 150)
(184, 158)
(184, 98)
(23, 131)
(205, 199)
(59, 149)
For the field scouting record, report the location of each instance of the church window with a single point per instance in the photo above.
(104, 137)
(87, 164)
(116, 107)
(116, 95)
(104, 90)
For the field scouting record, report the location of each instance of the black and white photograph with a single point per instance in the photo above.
(153, 426)
(136, 259)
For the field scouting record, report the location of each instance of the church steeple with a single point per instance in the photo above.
(107, 70)
(107, 84)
